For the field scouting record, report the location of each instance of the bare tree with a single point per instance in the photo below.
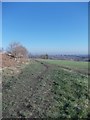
(17, 50)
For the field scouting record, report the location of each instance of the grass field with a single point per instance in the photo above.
(73, 65)
(47, 89)
(68, 63)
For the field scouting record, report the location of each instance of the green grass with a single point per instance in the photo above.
(74, 65)
(70, 95)
(68, 63)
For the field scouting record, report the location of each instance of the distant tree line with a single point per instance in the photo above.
(44, 56)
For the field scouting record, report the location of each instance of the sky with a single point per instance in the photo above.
(45, 0)
(47, 27)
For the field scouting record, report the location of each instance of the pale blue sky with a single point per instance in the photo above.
(60, 28)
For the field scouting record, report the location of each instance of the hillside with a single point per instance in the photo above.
(45, 90)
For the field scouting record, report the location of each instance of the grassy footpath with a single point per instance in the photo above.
(43, 90)
(21, 93)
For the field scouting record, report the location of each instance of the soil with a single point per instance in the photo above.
(9, 61)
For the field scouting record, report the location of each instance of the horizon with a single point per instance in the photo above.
(52, 28)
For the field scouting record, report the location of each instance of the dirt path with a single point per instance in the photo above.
(30, 97)
(41, 96)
